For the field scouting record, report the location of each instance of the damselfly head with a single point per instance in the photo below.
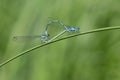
(44, 37)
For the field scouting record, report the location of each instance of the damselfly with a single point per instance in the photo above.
(45, 36)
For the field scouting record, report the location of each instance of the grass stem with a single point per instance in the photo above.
(45, 44)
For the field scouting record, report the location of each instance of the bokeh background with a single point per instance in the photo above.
(88, 57)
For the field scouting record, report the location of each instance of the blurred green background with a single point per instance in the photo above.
(88, 57)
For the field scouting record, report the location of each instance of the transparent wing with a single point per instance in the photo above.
(25, 38)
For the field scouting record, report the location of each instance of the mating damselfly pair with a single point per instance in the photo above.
(46, 36)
